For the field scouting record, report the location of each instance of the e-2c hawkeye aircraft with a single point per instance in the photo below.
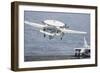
(53, 28)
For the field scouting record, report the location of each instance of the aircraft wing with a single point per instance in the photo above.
(71, 31)
(34, 24)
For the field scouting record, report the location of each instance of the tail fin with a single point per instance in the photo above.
(85, 43)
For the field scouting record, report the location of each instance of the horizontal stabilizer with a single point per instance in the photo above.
(47, 33)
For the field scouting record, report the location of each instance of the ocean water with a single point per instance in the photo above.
(36, 47)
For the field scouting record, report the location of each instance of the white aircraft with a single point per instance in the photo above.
(83, 51)
(53, 28)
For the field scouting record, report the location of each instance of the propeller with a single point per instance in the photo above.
(66, 26)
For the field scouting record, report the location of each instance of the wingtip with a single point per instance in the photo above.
(85, 32)
(26, 22)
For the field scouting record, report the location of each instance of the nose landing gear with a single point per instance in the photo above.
(62, 34)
